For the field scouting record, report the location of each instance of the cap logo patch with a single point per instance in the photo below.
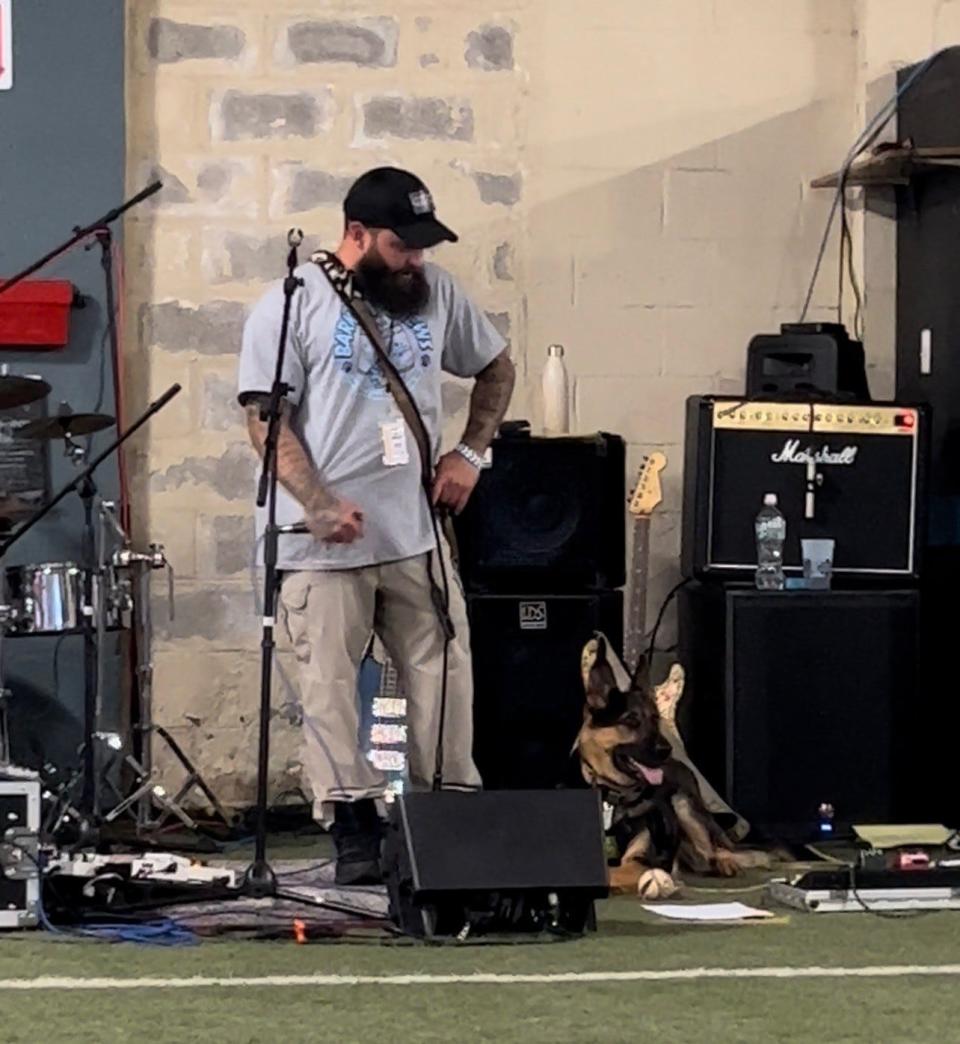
(421, 202)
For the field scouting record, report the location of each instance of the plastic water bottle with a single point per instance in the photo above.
(771, 528)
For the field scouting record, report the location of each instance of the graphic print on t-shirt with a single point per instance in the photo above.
(409, 342)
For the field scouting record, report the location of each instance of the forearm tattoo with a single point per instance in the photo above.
(295, 470)
(489, 401)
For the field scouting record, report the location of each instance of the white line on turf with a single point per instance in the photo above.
(881, 971)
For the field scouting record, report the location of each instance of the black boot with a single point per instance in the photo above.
(357, 833)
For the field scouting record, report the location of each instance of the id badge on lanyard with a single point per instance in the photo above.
(393, 441)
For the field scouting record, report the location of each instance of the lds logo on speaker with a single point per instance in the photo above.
(792, 454)
(533, 616)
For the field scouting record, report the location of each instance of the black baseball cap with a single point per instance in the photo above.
(396, 199)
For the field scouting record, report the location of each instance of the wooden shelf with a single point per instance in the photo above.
(896, 165)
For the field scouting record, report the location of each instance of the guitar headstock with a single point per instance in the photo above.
(648, 492)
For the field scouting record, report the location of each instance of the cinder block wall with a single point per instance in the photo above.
(629, 179)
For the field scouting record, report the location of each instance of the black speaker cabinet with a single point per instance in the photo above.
(547, 516)
(523, 862)
(528, 694)
(805, 360)
(800, 699)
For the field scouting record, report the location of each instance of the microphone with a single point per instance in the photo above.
(294, 527)
(294, 239)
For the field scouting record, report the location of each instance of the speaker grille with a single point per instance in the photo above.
(548, 516)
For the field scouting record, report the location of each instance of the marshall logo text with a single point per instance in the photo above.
(793, 454)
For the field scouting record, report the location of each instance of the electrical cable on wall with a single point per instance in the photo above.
(866, 138)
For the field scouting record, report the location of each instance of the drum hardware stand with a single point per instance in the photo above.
(83, 483)
(4, 731)
(133, 595)
(148, 792)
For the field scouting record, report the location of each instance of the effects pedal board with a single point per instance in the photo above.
(841, 889)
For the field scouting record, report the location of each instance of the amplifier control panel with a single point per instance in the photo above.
(828, 418)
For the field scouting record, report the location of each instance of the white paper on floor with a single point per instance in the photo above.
(706, 911)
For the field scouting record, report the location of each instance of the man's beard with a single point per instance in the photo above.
(399, 294)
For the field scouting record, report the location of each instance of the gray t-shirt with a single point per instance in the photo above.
(341, 401)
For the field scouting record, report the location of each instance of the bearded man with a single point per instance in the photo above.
(349, 466)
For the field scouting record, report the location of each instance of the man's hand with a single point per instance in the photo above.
(454, 481)
(339, 522)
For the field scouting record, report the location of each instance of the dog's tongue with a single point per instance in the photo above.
(654, 776)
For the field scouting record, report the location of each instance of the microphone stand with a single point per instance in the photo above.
(259, 880)
(82, 233)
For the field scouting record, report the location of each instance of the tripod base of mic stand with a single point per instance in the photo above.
(259, 881)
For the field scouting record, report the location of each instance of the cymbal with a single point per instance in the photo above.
(18, 391)
(64, 424)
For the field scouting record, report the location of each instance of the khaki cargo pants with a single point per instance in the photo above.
(329, 617)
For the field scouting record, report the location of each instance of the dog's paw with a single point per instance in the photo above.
(726, 863)
(656, 884)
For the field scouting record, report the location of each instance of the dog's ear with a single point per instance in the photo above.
(599, 678)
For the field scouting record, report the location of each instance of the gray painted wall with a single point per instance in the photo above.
(62, 157)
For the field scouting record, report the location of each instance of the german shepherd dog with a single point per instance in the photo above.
(659, 819)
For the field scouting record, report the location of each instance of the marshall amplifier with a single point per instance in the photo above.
(853, 473)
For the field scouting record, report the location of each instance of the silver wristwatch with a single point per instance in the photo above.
(468, 454)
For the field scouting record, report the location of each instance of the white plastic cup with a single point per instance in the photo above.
(817, 561)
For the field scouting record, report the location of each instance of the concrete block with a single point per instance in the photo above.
(708, 342)
(226, 186)
(426, 60)
(503, 262)
(219, 409)
(215, 691)
(629, 342)
(201, 186)
(641, 410)
(234, 257)
(224, 615)
(689, 271)
(174, 191)
(502, 324)
(786, 18)
(161, 370)
(717, 205)
(238, 115)
(173, 526)
(407, 118)
(368, 42)
(213, 328)
(225, 545)
(499, 188)
(296, 187)
(231, 475)
(490, 48)
(169, 41)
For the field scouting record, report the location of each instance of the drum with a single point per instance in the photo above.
(48, 598)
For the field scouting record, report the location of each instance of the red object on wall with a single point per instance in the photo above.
(36, 314)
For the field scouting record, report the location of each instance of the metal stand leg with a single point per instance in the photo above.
(4, 729)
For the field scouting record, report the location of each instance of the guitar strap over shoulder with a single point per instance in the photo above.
(360, 310)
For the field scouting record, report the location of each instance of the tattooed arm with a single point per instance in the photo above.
(489, 401)
(330, 518)
(456, 477)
